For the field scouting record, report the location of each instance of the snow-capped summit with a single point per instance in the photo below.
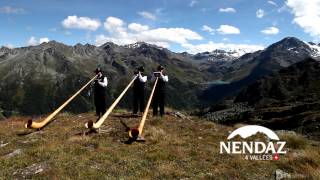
(220, 55)
(140, 44)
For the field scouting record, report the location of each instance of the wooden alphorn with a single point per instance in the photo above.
(39, 125)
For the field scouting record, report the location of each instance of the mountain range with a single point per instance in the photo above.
(252, 66)
(37, 79)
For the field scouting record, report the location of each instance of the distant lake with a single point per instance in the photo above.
(216, 82)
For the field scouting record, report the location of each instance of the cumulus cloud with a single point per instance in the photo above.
(11, 10)
(306, 15)
(115, 26)
(147, 15)
(273, 3)
(33, 41)
(260, 13)
(270, 31)
(227, 29)
(193, 3)
(119, 34)
(227, 10)
(42, 40)
(81, 23)
(137, 27)
(208, 29)
(210, 46)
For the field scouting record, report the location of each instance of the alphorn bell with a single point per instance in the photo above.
(135, 133)
(39, 125)
(97, 125)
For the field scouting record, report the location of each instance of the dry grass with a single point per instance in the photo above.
(175, 149)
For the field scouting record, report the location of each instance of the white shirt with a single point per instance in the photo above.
(141, 78)
(104, 83)
(163, 77)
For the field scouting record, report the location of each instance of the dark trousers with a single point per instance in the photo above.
(158, 101)
(100, 103)
(138, 101)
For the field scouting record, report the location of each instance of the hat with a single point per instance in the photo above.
(141, 69)
(98, 70)
(160, 68)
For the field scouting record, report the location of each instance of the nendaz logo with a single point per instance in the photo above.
(257, 150)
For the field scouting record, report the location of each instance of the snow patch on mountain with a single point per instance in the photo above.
(139, 44)
(314, 48)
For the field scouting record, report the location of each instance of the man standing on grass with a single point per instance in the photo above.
(160, 91)
(100, 85)
(138, 90)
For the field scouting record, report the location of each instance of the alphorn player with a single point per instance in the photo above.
(100, 85)
(160, 91)
(138, 90)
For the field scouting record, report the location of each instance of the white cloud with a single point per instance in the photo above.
(42, 40)
(210, 46)
(306, 15)
(11, 10)
(260, 13)
(115, 26)
(270, 31)
(33, 41)
(192, 3)
(227, 10)
(119, 34)
(208, 29)
(273, 3)
(227, 29)
(147, 15)
(137, 27)
(81, 23)
(173, 35)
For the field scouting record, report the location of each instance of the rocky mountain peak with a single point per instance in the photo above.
(108, 45)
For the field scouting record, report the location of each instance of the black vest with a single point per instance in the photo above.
(161, 86)
(138, 86)
(98, 89)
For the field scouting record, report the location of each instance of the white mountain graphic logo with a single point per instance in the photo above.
(254, 149)
(250, 130)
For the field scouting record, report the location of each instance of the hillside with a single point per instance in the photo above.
(175, 148)
(298, 83)
(250, 67)
(36, 79)
(288, 99)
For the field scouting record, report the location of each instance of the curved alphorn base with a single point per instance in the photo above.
(135, 133)
(38, 125)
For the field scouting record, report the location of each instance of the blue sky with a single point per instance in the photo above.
(180, 25)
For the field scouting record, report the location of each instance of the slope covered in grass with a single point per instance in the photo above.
(174, 148)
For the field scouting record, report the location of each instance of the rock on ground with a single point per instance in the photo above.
(31, 170)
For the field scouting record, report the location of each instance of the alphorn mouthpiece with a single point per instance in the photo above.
(89, 124)
(28, 124)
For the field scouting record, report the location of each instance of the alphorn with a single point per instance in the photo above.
(39, 125)
(97, 125)
(135, 133)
